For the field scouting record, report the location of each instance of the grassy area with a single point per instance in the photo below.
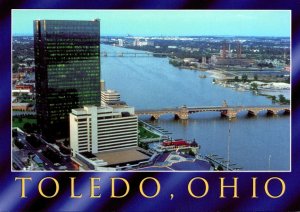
(281, 99)
(31, 101)
(143, 133)
(19, 122)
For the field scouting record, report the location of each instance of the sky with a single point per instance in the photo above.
(166, 22)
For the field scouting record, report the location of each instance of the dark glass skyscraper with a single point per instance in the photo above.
(67, 61)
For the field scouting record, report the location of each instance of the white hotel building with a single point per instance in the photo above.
(98, 129)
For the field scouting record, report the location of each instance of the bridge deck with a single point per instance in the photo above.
(228, 111)
(216, 108)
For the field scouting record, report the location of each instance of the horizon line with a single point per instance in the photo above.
(282, 36)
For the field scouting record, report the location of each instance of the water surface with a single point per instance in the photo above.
(259, 143)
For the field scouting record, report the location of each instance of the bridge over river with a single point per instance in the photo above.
(225, 110)
(134, 54)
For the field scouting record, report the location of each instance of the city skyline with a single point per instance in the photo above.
(148, 23)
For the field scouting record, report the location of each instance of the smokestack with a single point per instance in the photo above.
(239, 49)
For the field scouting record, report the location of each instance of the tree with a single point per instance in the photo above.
(146, 146)
(19, 118)
(15, 67)
(14, 133)
(270, 65)
(244, 77)
(28, 62)
(27, 127)
(191, 153)
(273, 98)
(254, 86)
(220, 168)
(236, 78)
(34, 127)
(282, 99)
(255, 77)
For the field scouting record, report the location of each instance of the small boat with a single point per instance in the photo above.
(202, 76)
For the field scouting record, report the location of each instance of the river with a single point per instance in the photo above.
(259, 143)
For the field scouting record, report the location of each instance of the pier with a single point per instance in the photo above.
(219, 162)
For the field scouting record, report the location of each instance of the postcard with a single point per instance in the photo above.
(150, 110)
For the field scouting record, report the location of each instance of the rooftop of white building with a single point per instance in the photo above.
(122, 156)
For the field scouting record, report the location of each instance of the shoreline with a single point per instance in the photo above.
(216, 74)
(273, 88)
(221, 78)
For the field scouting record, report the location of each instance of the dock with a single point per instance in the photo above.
(219, 161)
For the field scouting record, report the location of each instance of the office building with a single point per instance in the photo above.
(98, 129)
(67, 71)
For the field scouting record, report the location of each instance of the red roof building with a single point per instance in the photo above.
(24, 87)
(177, 143)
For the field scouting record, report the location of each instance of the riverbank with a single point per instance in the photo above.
(216, 74)
(271, 90)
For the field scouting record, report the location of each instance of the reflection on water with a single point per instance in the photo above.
(149, 82)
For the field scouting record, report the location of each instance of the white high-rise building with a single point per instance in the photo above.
(96, 129)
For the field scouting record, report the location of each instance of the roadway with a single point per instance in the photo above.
(48, 165)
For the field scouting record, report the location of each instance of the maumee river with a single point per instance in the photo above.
(259, 143)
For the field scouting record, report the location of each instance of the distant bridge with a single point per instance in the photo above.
(133, 54)
(225, 110)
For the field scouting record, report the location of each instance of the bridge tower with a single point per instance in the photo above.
(252, 112)
(183, 113)
(155, 116)
(231, 114)
(287, 111)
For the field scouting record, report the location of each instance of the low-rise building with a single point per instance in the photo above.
(16, 92)
(178, 145)
(24, 87)
(22, 107)
(189, 60)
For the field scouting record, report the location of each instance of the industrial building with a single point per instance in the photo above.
(228, 58)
